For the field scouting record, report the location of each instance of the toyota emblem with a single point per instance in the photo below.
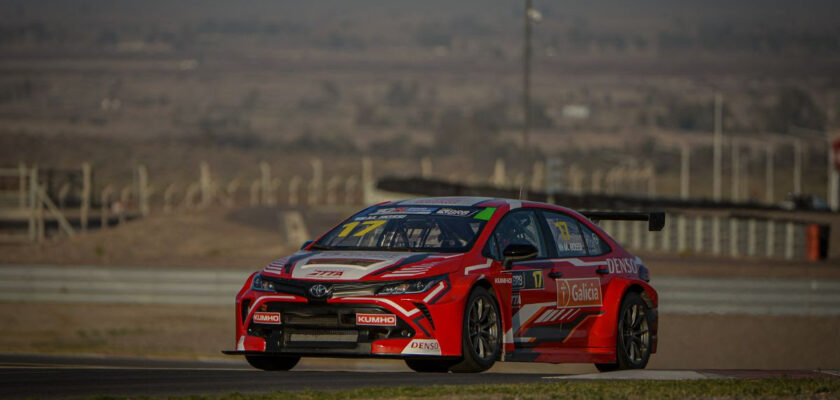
(318, 290)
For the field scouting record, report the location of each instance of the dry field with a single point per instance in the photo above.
(183, 239)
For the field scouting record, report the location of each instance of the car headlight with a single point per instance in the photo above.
(262, 285)
(413, 286)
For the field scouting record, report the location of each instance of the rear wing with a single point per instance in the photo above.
(655, 219)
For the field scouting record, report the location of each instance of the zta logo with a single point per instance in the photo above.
(325, 274)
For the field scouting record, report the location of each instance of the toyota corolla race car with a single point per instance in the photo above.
(455, 284)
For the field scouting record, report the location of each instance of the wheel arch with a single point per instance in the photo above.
(618, 288)
(503, 306)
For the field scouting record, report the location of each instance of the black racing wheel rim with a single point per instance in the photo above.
(635, 332)
(483, 328)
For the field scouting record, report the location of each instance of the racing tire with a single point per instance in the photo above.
(481, 337)
(428, 365)
(633, 336)
(273, 363)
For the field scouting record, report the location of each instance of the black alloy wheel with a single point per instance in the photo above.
(634, 336)
(273, 363)
(482, 333)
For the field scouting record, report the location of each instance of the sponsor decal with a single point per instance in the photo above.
(527, 279)
(505, 280)
(582, 292)
(376, 319)
(455, 212)
(429, 347)
(404, 210)
(622, 266)
(566, 246)
(325, 274)
(266, 318)
(392, 216)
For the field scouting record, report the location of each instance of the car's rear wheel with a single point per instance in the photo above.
(633, 340)
(273, 363)
(428, 365)
(481, 338)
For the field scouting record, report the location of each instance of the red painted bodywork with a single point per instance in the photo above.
(534, 331)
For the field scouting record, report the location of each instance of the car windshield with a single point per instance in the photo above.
(439, 229)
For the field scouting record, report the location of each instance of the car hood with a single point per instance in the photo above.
(362, 265)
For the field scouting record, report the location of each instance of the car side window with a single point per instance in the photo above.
(519, 227)
(566, 232)
(594, 244)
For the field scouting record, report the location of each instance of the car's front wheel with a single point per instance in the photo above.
(481, 340)
(273, 363)
(634, 337)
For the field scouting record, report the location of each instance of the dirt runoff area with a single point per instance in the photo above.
(201, 239)
(686, 341)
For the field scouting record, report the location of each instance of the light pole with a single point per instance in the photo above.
(768, 171)
(685, 170)
(526, 76)
(832, 195)
(718, 147)
(736, 171)
(797, 167)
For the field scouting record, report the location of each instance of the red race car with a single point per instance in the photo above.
(455, 284)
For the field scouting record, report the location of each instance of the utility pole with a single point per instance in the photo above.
(797, 167)
(832, 197)
(736, 171)
(718, 147)
(685, 170)
(526, 76)
(768, 170)
(831, 173)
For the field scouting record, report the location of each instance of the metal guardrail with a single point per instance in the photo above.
(678, 295)
(716, 235)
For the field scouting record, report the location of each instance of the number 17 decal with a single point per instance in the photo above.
(367, 227)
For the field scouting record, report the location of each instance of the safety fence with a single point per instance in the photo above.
(133, 285)
(724, 236)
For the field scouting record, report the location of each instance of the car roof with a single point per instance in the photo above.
(474, 202)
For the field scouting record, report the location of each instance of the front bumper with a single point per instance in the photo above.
(390, 326)
(328, 329)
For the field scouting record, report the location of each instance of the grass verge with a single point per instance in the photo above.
(776, 388)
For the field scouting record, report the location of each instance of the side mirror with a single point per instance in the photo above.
(518, 252)
(306, 243)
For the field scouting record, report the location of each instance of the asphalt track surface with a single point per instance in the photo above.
(46, 376)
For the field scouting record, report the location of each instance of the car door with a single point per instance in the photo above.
(530, 291)
(578, 275)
